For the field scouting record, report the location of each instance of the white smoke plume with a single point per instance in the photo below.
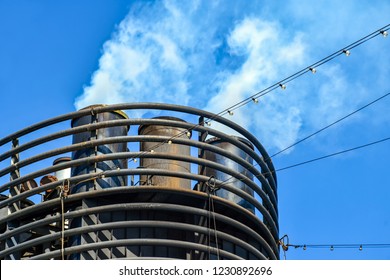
(212, 54)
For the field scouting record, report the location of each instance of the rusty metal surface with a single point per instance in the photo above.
(171, 148)
(167, 218)
(231, 164)
(100, 150)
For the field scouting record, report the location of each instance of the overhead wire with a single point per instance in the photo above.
(331, 124)
(284, 242)
(317, 132)
(311, 160)
(334, 154)
(282, 84)
(254, 98)
(311, 68)
(359, 246)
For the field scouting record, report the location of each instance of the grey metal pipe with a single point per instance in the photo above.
(267, 177)
(142, 121)
(136, 242)
(161, 207)
(159, 106)
(34, 208)
(110, 140)
(132, 155)
(216, 166)
(131, 224)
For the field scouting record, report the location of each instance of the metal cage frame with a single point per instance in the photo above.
(135, 221)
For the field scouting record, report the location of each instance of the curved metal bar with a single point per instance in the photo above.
(123, 155)
(136, 242)
(160, 207)
(55, 202)
(124, 122)
(141, 138)
(157, 106)
(132, 224)
(265, 233)
(105, 124)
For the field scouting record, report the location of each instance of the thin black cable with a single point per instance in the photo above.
(274, 86)
(312, 160)
(306, 69)
(360, 246)
(333, 154)
(329, 125)
(315, 133)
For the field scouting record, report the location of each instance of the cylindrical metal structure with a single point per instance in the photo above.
(106, 132)
(65, 173)
(233, 165)
(3, 212)
(169, 148)
(160, 217)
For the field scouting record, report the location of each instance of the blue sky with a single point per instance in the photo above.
(59, 56)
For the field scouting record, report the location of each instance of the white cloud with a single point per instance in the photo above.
(142, 62)
(267, 56)
(211, 55)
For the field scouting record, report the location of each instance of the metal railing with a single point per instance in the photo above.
(80, 217)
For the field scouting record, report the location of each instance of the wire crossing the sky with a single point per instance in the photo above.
(334, 154)
(329, 125)
(282, 84)
(311, 68)
(340, 246)
(319, 131)
(284, 242)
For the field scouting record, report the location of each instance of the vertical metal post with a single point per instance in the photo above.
(201, 138)
(16, 206)
(201, 220)
(94, 136)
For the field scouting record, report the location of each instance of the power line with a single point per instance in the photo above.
(334, 154)
(340, 246)
(284, 242)
(311, 68)
(329, 125)
(280, 84)
(317, 132)
(312, 160)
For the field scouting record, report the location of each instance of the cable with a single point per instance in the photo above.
(334, 154)
(329, 125)
(282, 84)
(316, 132)
(211, 189)
(311, 68)
(340, 246)
(64, 189)
(311, 160)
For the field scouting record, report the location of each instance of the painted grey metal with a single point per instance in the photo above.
(268, 168)
(3, 213)
(135, 224)
(100, 150)
(231, 164)
(135, 242)
(177, 209)
(269, 187)
(270, 216)
(171, 148)
(157, 139)
(65, 173)
(141, 221)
